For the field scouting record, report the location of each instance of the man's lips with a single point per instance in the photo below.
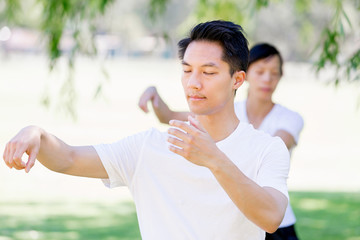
(196, 97)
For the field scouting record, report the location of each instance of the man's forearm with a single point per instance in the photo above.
(54, 153)
(263, 206)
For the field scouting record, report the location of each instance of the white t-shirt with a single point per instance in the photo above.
(279, 118)
(176, 199)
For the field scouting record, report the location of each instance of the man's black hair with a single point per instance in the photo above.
(229, 35)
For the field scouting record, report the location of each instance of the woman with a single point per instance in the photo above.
(263, 75)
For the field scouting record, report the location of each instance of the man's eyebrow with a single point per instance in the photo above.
(184, 63)
(210, 64)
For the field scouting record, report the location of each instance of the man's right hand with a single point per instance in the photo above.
(26, 141)
(53, 153)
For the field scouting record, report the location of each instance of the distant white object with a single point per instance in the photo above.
(5, 33)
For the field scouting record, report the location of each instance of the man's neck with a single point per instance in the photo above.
(219, 126)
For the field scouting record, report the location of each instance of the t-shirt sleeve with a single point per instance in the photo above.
(292, 123)
(274, 166)
(120, 159)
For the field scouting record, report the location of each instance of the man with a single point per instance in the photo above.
(209, 178)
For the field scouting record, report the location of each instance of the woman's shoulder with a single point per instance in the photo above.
(284, 112)
(288, 120)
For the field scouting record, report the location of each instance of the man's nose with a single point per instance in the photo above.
(194, 80)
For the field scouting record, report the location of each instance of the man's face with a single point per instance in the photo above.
(206, 78)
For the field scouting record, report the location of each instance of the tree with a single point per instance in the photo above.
(337, 33)
(79, 18)
(75, 16)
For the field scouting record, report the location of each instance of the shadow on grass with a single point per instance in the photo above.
(60, 221)
(320, 216)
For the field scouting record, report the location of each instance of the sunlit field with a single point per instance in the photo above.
(324, 179)
(321, 216)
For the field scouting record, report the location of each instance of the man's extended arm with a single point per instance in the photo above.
(53, 154)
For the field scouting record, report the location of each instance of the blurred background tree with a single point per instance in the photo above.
(325, 33)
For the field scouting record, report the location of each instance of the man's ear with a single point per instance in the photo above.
(239, 78)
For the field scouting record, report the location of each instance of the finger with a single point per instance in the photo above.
(196, 123)
(177, 150)
(184, 126)
(6, 155)
(11, 151)
(13, 161)
(148, 95)
(17, 156)
(177, 142)
(18, 168)
(31, 161)
(143, 104)
(19, 165)
(144, 107)
(179, 134)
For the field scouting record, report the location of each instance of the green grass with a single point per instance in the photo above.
(68, 221)
(330, 216)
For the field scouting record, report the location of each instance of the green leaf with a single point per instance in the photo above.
(346, 17)
(157, 8)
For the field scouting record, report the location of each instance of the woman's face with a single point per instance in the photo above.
(263, 76)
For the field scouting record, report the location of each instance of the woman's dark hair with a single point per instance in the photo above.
(229, 35)
(262, 51)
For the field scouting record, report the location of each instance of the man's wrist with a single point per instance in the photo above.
(217, 163)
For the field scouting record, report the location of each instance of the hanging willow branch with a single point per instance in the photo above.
(77, 17)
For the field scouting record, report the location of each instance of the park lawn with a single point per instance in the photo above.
(68, 221)
(330, 216)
